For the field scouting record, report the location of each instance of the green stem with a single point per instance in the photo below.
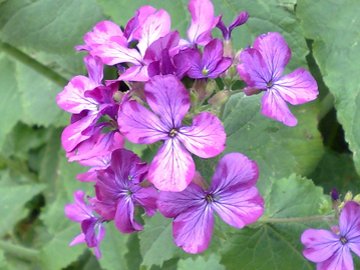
(33, 63)
(19, 251)
(326, 105)
(297, 219)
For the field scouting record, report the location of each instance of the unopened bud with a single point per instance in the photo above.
(357, 198)
(219, 98)
(348, 196)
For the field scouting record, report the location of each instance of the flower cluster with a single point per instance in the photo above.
(162, 96)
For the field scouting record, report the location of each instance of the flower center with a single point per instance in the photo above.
(269, 84)
(343, 240)
(205, 71)
(209, 198)
(173, 133)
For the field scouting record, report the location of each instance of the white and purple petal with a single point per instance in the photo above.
(168, 98)
(192, 229)
(298, 87)
(172, 168)
(206, 136)
(274, 107)
(124, 216)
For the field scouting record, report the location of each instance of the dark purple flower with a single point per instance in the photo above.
(119, 190)
(232, 195)
(172, 169)
(239, 20)
(210, 64)
(330, 250)
(334, 194)
(262, 67)
(92, 227)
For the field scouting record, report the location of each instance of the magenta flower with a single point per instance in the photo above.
(226, 30)
(203, 21)
(119, 190)
(232, 195)
(330, 250)
(208, 65)
(92, 227)
(262, 67)
(172, 169)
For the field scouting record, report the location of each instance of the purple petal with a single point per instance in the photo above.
(320, 245)
(95, 69)
(234, 170)
(154, 52)
(124, 217)
(78, 211)
(221, 67)
(202, 21)
(168, 98)
(171, 204)
(72, 99)
(89, 176)
(189, 61)
(136, 73)
(88, 228)
(173, 168)
(341, 260)
(241, 18)
(147, 198)
(127, 166)
(139, 125)
(275, 52)
(115, 53)
(133, 27)
(79, 239)
(349, 221)
(253, 70)
(223, 28)
(298, 87)
(273, 106)
(103, 33)
(213, 53)
(192, 229)
(206, 136)
(239, 207)
(73, 134)
(155, 26)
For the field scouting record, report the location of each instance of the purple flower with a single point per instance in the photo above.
(232, 195)
(330, 250)
(202, 21)
(172, 169)
(209, 65)
(147, 26)
(92, 227)
(239, 20)
(119, 189)
(262, 67)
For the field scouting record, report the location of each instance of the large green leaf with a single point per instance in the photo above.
(336, 49)
(279, 150)
(201, 263)
(291, 206)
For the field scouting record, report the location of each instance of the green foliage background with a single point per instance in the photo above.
(36, 61)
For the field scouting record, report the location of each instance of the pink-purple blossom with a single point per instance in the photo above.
(261, 68)
(331, 250)
(232, 195)
(210, 64)
(119, 190)
(226, 31)
(92, 228)
(172, 168)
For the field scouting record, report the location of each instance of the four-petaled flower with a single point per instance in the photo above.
(92, 227)
(232, 195)
(330, 250)
(262, 67)
(173, 168)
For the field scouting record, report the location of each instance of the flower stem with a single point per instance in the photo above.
(19, 251)
(297, 219)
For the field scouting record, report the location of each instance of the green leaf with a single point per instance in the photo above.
(12, 200)
(278, 150)
(337, 58)
(292, 205)
(156, 241)
(201, 263)
(337, 170)
(113, 249)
